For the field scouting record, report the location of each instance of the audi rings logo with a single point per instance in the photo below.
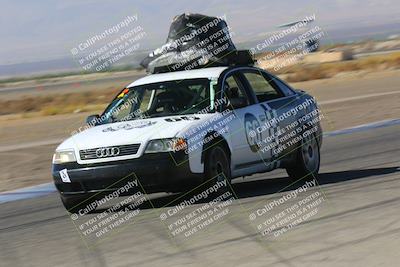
(107, 152)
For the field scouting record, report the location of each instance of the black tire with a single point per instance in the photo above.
(217, 166)
(307, 159)
(74, 204)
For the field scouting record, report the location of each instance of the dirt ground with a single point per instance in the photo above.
(27, 145)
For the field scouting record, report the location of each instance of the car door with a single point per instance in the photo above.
(243, 135)
(300, 117)
(276, 117)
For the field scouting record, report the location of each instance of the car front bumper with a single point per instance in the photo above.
(155, 173)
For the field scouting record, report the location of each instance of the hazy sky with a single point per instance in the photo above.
(46, 29)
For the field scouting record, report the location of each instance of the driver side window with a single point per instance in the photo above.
(234, 93)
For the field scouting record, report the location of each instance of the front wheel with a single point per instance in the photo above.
(218, 167)
(307, 160)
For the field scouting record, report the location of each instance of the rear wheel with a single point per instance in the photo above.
(307, 159)
(218, 167)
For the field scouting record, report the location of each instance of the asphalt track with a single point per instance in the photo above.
(357, 224)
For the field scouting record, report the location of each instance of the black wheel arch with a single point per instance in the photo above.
(217, 139)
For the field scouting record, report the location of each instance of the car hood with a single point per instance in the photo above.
(132, 132)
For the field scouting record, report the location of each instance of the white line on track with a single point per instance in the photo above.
(346, 99)
(30, 145)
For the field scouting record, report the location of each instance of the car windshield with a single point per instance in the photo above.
(160, 99)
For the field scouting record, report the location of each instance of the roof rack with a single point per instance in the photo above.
(234, 58)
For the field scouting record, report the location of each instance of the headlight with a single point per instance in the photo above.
(166, 145)
(64, 156)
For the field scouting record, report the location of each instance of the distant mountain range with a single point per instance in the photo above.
(68, 64)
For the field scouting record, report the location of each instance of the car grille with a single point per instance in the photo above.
(123, 150)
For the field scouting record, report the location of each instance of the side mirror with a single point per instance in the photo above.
(93, 120)
(238, 102)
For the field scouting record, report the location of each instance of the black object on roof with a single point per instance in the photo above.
(196, 41)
